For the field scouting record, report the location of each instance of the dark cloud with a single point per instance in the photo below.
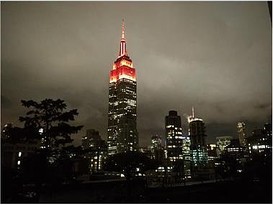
(215, 56)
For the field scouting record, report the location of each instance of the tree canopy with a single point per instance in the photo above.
(49, 120)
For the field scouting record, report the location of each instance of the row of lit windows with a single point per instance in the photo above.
(233, 149)
(260, 147)
(173, 146)
(127, 80)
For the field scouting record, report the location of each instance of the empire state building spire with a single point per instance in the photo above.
(122, 47)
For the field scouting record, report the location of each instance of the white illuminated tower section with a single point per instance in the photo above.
(122, 126)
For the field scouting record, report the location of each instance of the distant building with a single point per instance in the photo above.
(236, 155)
(174, 137)
(177, 144)
(13, 152)
(241, 129)
(95, 149)
(91, 139)
(260, 141)
(234, 147)
(212, 153)
(222, 142)
(157, 149)
(156, 142)
(197, 133)
(122, 110)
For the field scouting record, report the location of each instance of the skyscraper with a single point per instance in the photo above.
(177, 144)
(122, 118)
(174, 138)
(197, 136)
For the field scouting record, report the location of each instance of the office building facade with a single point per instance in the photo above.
(177, 144)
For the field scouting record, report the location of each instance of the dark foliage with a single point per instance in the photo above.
(49, 116)
(48, 120)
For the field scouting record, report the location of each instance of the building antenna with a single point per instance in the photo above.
(123, 30)
(122, 47)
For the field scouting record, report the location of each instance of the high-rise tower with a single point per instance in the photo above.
(174, 138)
(197, 135)
(177, 144)
(122, 125)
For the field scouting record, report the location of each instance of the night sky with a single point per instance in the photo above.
(215, 56)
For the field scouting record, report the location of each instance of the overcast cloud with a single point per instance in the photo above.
(215, 56)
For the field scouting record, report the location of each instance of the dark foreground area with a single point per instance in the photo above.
(137, 192)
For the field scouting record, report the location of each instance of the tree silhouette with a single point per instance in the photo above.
(49, 121)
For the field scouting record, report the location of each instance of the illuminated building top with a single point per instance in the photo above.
(123, 67)
(192, 117)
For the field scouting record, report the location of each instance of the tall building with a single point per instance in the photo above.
(15, 148)
(122, 116)
(177, 145)
(174, 138)
(241, 129)
(197, 135)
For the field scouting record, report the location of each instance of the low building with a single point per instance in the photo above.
(13, 153)
(260, 141)
(95, 149)
(13, 150)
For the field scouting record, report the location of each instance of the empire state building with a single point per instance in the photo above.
(122, 125)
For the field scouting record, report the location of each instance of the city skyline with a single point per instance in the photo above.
(215, 56)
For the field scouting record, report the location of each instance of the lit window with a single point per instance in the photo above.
(255, 147)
